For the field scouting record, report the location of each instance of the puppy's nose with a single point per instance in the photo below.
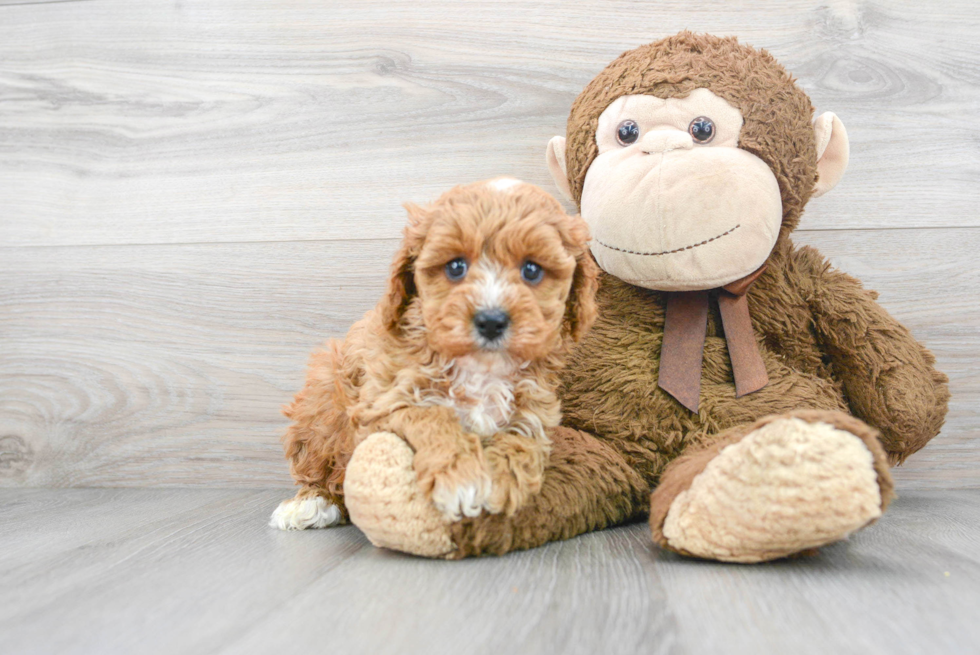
(491, 323)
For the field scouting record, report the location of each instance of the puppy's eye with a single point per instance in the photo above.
(702, 129)
(531, 273)
(456, 269)
(627, 133)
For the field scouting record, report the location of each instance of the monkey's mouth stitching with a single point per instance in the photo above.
(668, 252)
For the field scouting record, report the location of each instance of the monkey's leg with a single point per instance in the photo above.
(587, 486)
(782, 485)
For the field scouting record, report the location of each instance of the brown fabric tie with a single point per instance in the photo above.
(685, 327)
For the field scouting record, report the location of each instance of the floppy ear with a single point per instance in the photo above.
(580, 310)
(401, 281)
(833, 151)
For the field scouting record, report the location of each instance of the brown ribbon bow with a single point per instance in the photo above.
(685, 327)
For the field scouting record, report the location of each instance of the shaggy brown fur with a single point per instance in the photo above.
(415, 366)
(827, 345)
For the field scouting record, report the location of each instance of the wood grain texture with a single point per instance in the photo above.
(198, 571)
(166, 365)
(244, 120)
(7, 3)
(195, 194)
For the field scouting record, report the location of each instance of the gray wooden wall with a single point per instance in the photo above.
(194, 194)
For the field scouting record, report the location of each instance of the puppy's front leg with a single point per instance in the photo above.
(516, 467)
(449, 461)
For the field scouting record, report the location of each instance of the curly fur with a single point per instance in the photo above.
(476, 414)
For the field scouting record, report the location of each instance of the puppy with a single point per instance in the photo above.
(491, 286)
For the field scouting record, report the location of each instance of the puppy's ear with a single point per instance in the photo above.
(401, 282)
(580, 311)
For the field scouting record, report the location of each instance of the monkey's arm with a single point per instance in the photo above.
(889, 378)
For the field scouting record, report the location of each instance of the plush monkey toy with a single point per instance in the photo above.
(758, 393)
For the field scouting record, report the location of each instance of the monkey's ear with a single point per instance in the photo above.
(556, 164)
(832, 152)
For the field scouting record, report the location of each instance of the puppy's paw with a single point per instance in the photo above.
(465, 499)
(459, 489)
(304, 513)
(516, 474)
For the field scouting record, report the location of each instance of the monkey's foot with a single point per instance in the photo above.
(383, 499)
(792, 483)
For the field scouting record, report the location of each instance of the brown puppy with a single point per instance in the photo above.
(492, 284)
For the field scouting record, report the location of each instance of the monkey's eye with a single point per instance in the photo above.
(627, 133)
(456, 269)
(702, 129)
(531, 272)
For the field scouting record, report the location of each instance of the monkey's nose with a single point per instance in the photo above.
(491, 323)
(656, 141)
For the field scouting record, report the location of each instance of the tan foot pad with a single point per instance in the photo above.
(786, 487)
(383, 499)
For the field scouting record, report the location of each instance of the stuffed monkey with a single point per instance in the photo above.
(758, 393)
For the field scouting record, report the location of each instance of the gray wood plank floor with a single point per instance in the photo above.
(198, 571)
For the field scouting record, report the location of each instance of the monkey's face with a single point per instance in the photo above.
(672, 201)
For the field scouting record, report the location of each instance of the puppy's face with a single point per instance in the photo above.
(500, 268)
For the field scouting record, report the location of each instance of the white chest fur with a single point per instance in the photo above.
(482, 392)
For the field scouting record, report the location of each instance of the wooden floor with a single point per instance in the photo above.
(195, 193)
(197, 571)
